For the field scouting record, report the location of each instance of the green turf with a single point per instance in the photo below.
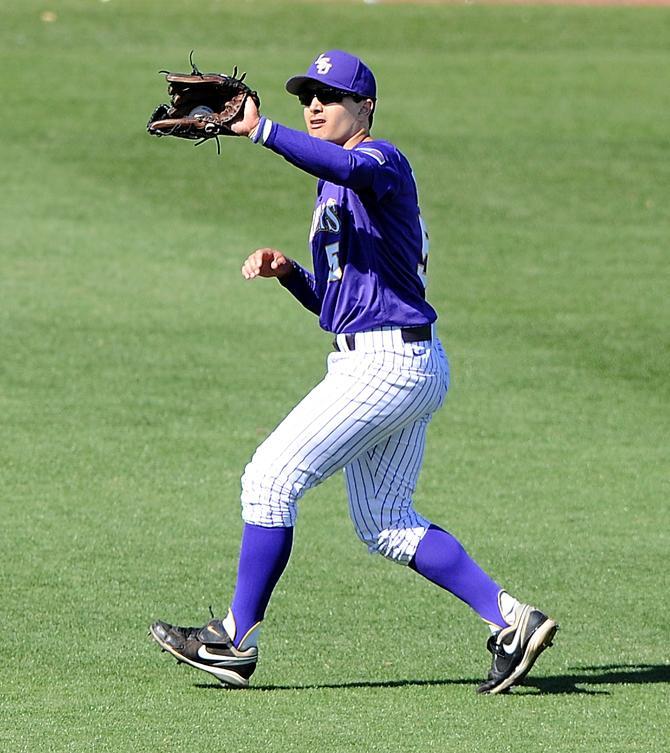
(138, 371)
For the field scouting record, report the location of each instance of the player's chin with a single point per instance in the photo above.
(319, 130)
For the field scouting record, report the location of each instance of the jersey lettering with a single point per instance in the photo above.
(326, 218)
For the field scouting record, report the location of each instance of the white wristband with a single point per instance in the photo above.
(262, 131)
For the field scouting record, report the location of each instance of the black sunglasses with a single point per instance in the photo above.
(325, 95)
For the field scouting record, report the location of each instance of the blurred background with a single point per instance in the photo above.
(138, 372)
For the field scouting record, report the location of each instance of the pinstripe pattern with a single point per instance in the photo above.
(369, 416)
(380, 484)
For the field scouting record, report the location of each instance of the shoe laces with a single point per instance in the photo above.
(190, 633)
(193, 633)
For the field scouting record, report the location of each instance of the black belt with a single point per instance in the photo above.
(409, 335)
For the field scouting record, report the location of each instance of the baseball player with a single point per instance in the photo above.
(386, 377)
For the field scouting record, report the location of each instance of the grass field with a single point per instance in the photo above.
(138, 371)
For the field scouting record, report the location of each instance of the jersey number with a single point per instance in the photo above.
(335, 271)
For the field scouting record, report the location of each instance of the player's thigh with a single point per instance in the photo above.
(343, 416)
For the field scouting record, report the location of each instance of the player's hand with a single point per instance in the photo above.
(266, 262)
(249, 120)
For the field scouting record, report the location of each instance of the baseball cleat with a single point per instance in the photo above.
(208, 648)
(516, 648)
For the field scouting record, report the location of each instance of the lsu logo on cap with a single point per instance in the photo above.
(323, 65)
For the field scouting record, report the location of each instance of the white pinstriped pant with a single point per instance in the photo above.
(368, 416)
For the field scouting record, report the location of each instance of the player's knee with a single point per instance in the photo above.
(269, 495)
(396, 544)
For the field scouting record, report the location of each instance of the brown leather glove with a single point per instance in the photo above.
(202, 105)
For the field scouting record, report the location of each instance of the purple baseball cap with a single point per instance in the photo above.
(339, 70)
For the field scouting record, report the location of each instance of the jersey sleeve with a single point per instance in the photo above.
(302, 285)
(369, 166)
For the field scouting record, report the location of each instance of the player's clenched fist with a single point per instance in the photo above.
(266, 262)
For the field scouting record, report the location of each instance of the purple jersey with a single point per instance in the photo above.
(369, 245)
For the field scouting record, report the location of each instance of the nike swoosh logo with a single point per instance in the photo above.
(509, 649)
(512, 647)
(203, 653)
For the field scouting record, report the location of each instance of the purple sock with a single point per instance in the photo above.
(264, 553)
(442, 559)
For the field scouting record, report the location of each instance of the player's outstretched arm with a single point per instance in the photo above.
(266, 262)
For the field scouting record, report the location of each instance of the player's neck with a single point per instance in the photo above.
(362, 135)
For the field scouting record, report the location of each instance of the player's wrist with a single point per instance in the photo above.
(262, 130)
(254, 130)
(286, 271)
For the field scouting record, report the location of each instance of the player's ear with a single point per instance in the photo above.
(365, 110)
(367, 106)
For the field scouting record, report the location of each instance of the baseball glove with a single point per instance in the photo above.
(202, 105)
